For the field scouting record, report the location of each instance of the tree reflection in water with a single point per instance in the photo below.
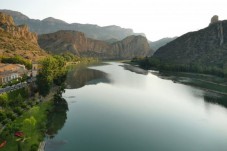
(57, 118)
(216, 99)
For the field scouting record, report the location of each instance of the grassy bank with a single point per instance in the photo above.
(13, 104)
(33, 124)
(207, 82)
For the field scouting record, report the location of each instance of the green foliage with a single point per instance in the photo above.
(17, 60)
(157, 64)
(70, 57)
(29, 122)
(32, 123)
(2, 115)
(53, 72)
(34, 147)
(13, 127)
(11, 104)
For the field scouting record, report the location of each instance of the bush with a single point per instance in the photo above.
(18, 110)
(5, 121)
(23, 105)
(34, 147)
(2, 116)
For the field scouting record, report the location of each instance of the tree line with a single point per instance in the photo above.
(158, 64)
(16, 60)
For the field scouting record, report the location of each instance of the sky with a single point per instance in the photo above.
(156, 18)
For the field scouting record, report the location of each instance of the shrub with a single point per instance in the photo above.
(34, 147)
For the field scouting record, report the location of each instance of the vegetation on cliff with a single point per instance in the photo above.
(17, 60)
(206, 47)
(202, 51)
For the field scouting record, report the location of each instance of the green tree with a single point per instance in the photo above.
(30, 123)
(17, 60)
(53, 72)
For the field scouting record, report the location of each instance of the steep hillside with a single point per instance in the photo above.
(18, 40)
(207, 46)
(155, 45)
(50, 25)
(77, 43)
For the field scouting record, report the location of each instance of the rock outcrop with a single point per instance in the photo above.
(6, 20)
(50, 25)
(21, 31)
(207, 46)
(18, 40)
(214, 19)
(78, 44)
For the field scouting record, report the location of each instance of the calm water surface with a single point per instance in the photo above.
(114, 109)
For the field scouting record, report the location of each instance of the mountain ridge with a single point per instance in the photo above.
(155, 45)
(50, 25)
(206, 46)
(78, 44)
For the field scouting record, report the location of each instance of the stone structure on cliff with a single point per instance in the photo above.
(214, 19)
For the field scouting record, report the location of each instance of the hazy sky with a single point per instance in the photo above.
(155, 18)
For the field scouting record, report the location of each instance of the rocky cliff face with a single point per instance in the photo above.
(17, 40)
(22, 31)
(77, 43)
(50, 25)
(132, 46)
(207, 46)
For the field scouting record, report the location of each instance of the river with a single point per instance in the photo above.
(112, 108)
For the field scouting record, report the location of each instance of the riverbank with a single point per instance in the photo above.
(33, 126)
(206, 82)
(29, 115)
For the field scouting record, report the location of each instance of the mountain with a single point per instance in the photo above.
(78, 44)
(50, 25)
(207, 47)
(18, 40)
(159, 43)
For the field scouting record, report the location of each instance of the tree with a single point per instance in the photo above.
(29, 123)
(53, 72)
(12, 128)
(2, 116)
(17, 60)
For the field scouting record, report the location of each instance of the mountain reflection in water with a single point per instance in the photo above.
(80, 77)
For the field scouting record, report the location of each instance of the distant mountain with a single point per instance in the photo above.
(207, 47)
(78, 44)
(18, 40)
(155, 45)
(50, 25)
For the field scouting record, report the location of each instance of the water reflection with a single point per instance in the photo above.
(139, 112)
(57, 118)
(134, 69)
(216, 99)
(80, 77)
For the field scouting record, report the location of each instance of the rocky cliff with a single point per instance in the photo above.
(18, 40)
(50, 25)
(77, 43)
(207, 46)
